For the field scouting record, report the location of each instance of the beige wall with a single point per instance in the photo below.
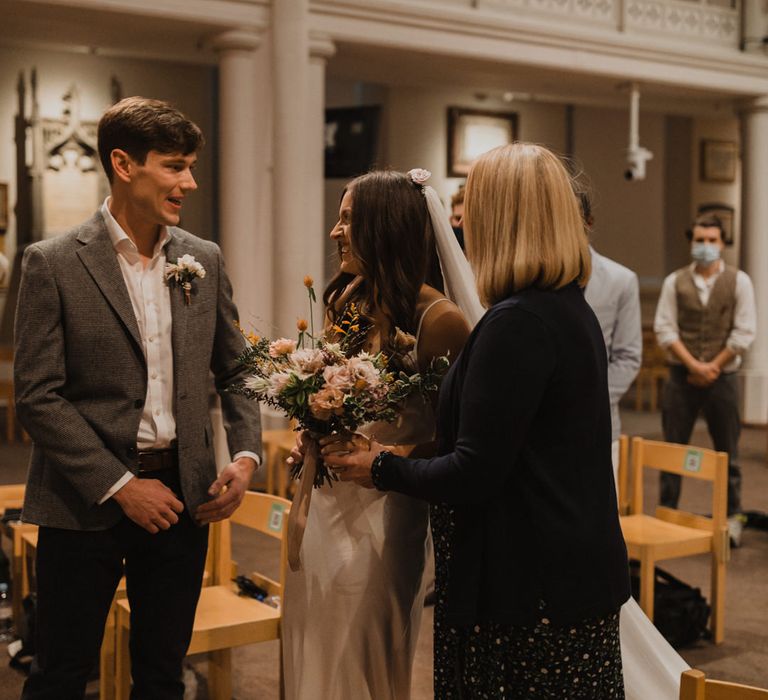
(629, 216)
(639, 224)
(191, 88)
(418, 126)
(725, 129)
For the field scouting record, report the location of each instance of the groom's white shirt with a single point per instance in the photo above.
(150, 298)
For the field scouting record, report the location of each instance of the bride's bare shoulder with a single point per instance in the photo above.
(444, 330)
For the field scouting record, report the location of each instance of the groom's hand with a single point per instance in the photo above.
(227, 491)
(149, 503)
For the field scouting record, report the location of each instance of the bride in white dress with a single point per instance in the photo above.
(352, 612)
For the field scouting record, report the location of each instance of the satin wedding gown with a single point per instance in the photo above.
(651, 666)
(353, 611)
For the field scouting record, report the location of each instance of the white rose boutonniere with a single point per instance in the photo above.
(183, 272)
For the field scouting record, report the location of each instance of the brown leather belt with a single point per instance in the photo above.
(155, 460)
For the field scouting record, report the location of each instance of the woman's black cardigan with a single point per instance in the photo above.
(524, 435)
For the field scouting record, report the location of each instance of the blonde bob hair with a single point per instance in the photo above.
(522, 223)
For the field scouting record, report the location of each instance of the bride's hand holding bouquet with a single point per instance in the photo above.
(350, 457)
(331, 386)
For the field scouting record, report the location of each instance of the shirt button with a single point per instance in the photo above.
(157, 411)
(151, 338)
(154, 375)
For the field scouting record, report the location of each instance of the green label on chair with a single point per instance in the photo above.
(276, 517)
(692, 461)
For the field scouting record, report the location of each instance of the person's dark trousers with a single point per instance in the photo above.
(77, 574)
(719, 403)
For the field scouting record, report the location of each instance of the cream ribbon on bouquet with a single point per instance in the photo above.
(297, 518)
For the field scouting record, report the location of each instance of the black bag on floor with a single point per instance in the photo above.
(25, 628)
(680, 611)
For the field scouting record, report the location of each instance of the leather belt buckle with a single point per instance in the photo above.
(156, 460)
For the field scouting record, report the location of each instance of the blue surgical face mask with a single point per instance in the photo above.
(705, 253)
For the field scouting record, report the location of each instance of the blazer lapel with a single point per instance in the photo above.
(179, 313)
(100, 259)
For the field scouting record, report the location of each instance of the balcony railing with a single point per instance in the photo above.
(702, 21)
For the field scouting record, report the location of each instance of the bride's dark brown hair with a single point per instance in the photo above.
(391, 237)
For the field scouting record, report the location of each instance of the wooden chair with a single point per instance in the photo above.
(12, 496)
(224, 619)
(622, 484)
(653, 372)
(675, 533)
(6, 392)
(277, 446)
(695, 686)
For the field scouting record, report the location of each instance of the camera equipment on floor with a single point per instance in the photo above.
(23, 649)
(680, 611)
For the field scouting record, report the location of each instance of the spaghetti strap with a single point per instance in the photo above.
(421, 320)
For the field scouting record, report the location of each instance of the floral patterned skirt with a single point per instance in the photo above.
(508, 662)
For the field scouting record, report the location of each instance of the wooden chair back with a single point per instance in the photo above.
(695, 686)
(6, 391)
(269, 515)
(623, 475)
(11, 496)
(685, 460)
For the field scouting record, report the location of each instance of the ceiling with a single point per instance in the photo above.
(105, 32)
(521, 82)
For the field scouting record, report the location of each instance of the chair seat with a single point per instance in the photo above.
(225, 619)
(667, 539)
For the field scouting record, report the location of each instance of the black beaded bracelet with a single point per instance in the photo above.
(377, 469)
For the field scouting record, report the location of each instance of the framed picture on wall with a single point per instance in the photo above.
(718, 161)
(472, 132)
(3, 207)
(725, 213)
(351, 140)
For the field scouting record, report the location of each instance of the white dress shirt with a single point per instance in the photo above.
(744, 316)
(151, 301)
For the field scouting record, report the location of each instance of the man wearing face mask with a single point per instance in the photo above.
(705, 319)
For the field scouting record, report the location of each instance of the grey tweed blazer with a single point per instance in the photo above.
(81, 375)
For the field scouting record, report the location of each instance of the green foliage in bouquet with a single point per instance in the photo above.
(332, 386)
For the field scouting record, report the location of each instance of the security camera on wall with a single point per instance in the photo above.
(636, 160)
(637, 156)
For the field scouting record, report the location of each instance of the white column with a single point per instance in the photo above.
(297, 250)
(321, 48)
(244, 119)
(754, 253)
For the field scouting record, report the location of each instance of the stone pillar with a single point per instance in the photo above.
(321, 48)
(298, 250)
(754, 253)
(244, 226)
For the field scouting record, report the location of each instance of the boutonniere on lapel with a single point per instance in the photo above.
(182, 273)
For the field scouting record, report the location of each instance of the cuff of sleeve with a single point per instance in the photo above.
(666, 339)
(245, 453)
(734, 348)
(122, 481)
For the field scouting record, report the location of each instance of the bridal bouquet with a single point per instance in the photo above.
(329, 385)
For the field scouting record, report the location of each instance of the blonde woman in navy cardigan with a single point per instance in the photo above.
(531, 564)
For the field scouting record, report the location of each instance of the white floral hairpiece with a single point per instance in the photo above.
(419, 176)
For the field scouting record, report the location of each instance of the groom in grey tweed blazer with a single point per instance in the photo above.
(112, 370)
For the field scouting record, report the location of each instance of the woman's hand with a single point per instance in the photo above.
(299, 449)
(350, 456)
